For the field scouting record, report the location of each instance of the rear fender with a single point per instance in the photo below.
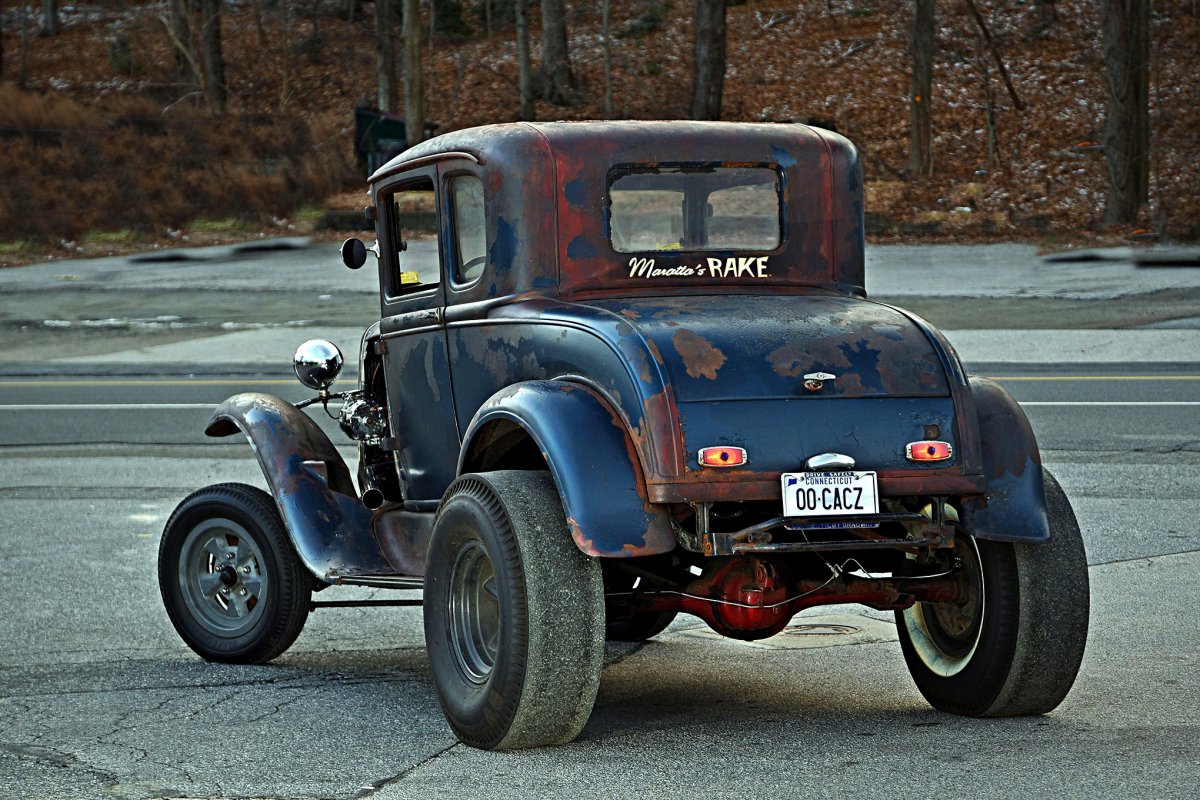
(328, 524)
(591, 458)
(1013, 508)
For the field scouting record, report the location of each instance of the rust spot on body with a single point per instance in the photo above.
(581, 540)
(699, 356)
(655, 353)
(789, 360)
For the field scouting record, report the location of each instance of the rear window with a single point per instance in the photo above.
(694, 208)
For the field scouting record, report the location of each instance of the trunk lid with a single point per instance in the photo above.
(759, 347)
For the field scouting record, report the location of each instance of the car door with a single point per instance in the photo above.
(425, 436)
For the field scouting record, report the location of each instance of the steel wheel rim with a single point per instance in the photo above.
(946, 635)
(474, 617)
(222, 577)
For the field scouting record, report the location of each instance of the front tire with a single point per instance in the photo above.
(1013, 646)
(230, 579)
(514, 614)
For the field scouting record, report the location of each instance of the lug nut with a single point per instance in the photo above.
(246, 570)
(242, 592)
(230, 556)
(224, 590)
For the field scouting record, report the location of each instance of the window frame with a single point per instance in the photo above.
(390, 237)
(453, 253)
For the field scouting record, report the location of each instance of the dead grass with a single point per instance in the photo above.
(81, 168)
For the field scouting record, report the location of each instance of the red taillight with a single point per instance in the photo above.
(929, 451)
(722, 457)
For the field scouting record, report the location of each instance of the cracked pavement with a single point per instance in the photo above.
(102, 700)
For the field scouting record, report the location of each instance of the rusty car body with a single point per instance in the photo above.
(643, 377)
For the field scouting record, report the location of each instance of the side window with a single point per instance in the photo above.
(470, 240)
(411, 211)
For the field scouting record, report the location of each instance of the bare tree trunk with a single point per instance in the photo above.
(414, 105)
(991, 43)
(1126, 31)
(259, 28)
(524, 66)
(289, 58)
(386, 18)
(709, 69)
(1, 48)
(214, 59)
(920, 151)
(605, 10)
(23, 63)
(558, 84)
(179, 26)
(50, 17)
(989, 102)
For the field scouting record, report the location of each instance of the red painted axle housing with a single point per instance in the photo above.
(754, 597)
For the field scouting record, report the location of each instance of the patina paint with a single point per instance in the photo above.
(329, 526)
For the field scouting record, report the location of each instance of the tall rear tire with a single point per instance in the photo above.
(624, 621)
(231, 581)
(1013, 647)
(514, 614)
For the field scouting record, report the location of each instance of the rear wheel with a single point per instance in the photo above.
(1013, 644)
(623, 621)
(230, 579)
(514, 614)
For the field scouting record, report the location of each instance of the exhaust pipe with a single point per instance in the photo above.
(372, 495)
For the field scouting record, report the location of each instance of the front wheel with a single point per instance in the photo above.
(1013, 644)
(514, 614)
(230, 579)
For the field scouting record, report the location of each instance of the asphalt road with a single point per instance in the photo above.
(108, 371)
(101, 698)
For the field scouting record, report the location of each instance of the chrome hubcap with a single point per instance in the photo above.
(221, 577)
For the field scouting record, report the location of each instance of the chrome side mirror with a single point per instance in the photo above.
(354, 253)
(317, 364)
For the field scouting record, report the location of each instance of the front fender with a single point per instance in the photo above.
(592, 460)
(328, 525)
(1013, 507)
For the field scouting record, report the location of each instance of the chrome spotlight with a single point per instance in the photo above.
(318, 364)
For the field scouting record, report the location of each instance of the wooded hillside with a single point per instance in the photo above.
(120, 124)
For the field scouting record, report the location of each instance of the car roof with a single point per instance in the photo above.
(547, 185)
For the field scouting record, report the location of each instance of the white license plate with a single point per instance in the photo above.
(829, 494)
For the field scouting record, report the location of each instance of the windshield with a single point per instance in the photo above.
(694, 208)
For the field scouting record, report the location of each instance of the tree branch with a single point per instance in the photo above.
(181, 47)
(987, 37)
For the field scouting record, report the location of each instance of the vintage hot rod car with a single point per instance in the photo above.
(642, 377)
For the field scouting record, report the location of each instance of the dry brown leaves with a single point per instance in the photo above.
(835, 62)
